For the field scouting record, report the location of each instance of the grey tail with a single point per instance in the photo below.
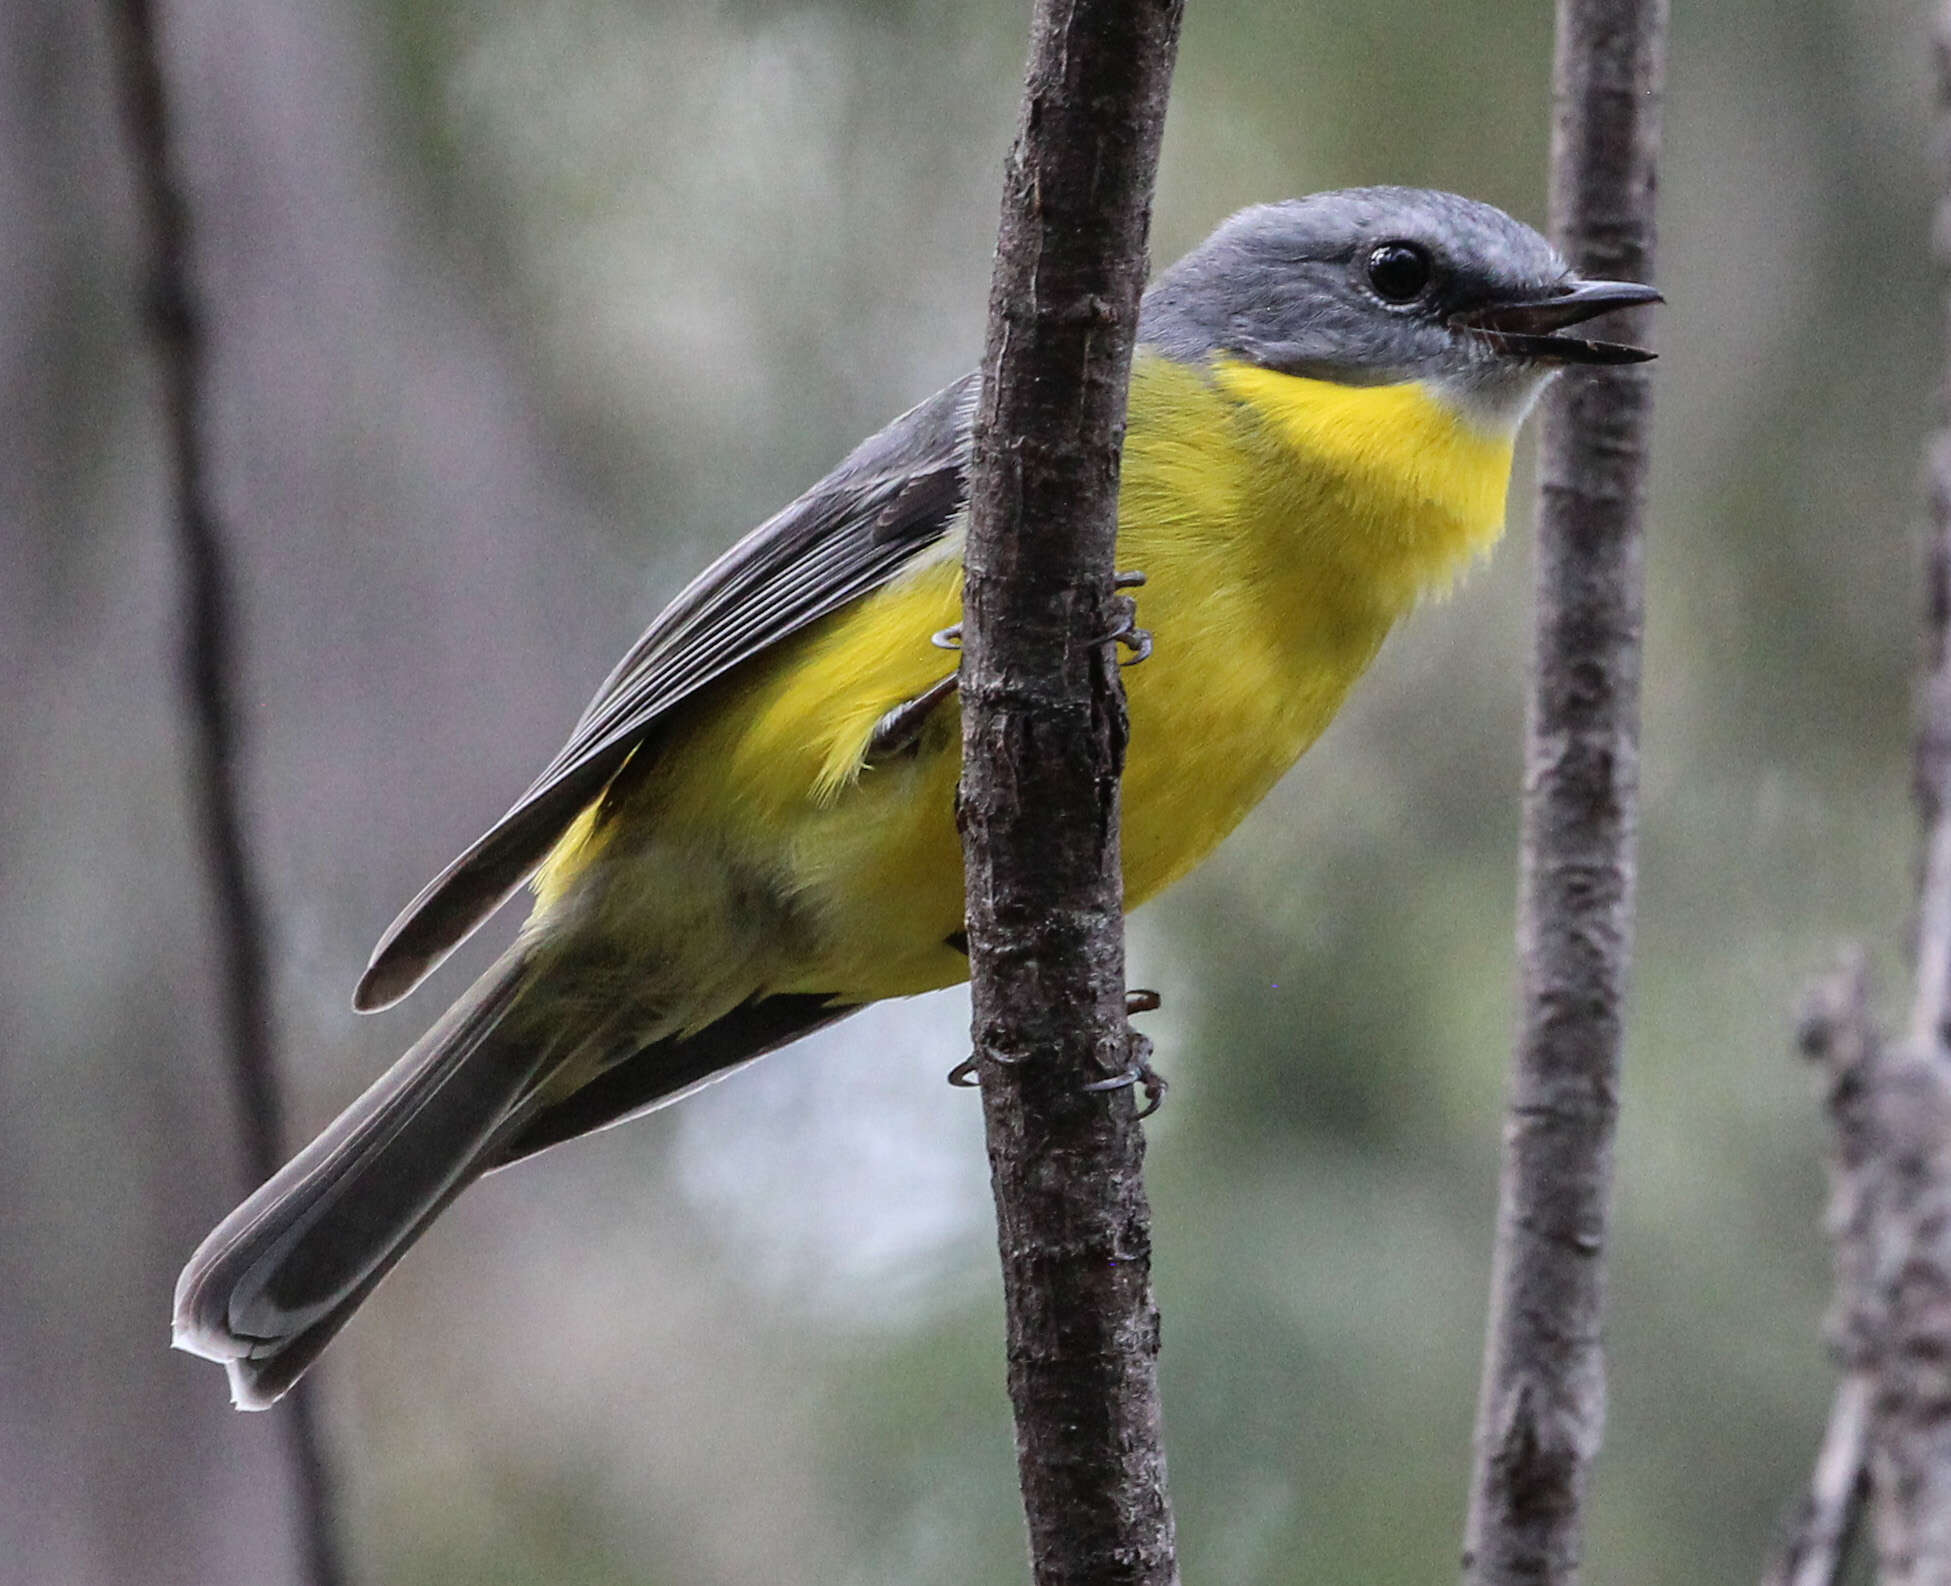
(277, 1279)
(272, 1286)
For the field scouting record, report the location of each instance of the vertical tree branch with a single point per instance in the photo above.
(1542, 1406)
(1880, 1114)
(1889, 1107)
(1889, 1435)
(174, 320)
(1838, 1031)
(1932, 732)
(1043, 745)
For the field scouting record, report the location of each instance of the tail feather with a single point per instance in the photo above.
(260, 1380)
(272, 1286)
(279, 1276)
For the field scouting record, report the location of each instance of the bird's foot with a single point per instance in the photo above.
(1127, 633)
(965, 1075)
(1138, 1050)
(1139, 1071)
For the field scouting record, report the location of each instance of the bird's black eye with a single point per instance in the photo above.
(1398, 271)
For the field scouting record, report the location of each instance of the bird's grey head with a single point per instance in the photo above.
(1383, 285)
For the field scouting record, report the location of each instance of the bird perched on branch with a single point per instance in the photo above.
(751, 831)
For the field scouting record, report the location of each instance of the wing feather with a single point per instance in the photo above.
(896, 495)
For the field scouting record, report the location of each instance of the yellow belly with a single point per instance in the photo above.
(1283, 525)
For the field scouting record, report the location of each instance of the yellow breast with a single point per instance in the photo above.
(1283, 525)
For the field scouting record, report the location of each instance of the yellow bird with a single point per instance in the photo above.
(751, 831)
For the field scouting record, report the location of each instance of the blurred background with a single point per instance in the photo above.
(524, 308)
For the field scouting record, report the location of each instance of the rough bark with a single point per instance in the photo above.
(208, 660)
(1889, 1106)
(1542, 1405)
(1043, 744)
(1889, 1434)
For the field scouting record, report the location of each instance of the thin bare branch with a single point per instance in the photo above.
(1889, 1106)
(1043, 746)
(1932, 733)
(1541, 1409)
(1838, 1032)
(1890, 1154)
(209, 664)
(1821, 1532)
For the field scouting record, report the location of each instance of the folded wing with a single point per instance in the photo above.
(897, 494)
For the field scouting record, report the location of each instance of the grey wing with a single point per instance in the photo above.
(897, 493)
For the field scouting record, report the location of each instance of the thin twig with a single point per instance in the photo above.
(1932, 732)
(1889, 1106)
(1824, 1530)
(1043, 745)
(209, 665)
(1838, 1032)
(1541, 1410)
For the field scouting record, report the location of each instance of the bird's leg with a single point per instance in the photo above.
(901, 727)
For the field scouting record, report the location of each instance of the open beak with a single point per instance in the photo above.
(1528, 329)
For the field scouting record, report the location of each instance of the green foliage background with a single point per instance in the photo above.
(757, 1337)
